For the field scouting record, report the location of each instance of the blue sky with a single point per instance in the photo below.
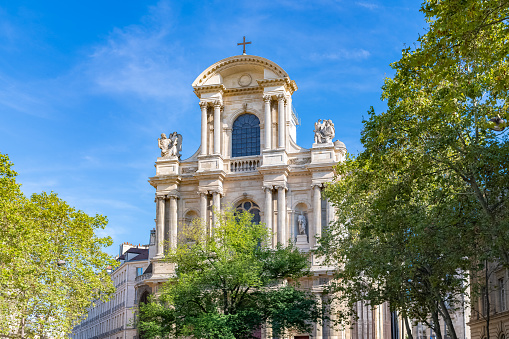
(86, 87)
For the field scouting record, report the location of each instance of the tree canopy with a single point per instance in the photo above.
(427, 198)
(51, 262)
(229, 285)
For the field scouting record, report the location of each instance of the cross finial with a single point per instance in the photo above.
(244, 43)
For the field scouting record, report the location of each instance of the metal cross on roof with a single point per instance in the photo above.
(244, 43)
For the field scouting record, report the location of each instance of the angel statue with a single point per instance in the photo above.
(301, 222)
(324, 131)
(170, 147)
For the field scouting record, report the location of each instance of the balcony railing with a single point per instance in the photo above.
(142, 277)
(245, 164)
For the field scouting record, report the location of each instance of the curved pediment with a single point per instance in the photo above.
(239, 71)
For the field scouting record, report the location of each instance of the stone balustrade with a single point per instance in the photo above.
(142, 277)
(245, 164)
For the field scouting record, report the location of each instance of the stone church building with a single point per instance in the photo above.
(249, 159)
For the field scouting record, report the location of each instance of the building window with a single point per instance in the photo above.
(139, 271)
(246, 136)
(501, 294)
(484, 302)
(252, 208)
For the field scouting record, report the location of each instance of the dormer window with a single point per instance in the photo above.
(246, 136)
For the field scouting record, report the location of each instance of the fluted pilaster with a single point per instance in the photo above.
(281, 215)
(282, 120)
(173, 220)
(268, 122)
(268, 212)
(217, 126)
(203, 106)
(160, 202)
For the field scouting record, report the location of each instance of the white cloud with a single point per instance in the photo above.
(144, 59)
(367, 5)
(342, 54)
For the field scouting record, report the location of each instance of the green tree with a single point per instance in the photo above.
(229, 284)
(429, 193)
(51, 262)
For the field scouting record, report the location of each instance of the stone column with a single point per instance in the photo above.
(326, 329)
(287, 117)
(203, 106)
(281, 215)
(203, 212)
(160, 201)
(268, 122)
(268, 213)
(318, 327)
(217, 127)
(216, 207)
(173, 221)
(317, 213)
(282, 121)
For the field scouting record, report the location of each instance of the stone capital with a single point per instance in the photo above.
(172, 196)
(281, 187)
(216, 191)
(281, 97)
(203, 104)
(319, 185)
(267, 98)
(268, 188)
(160, 197)
(218, 103)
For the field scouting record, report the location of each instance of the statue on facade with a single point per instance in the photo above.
(324, 131)
(301, 222)
(170, 147)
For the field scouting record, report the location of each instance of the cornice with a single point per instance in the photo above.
(241, 176)
(274, 169)
(242, 90)
(164, 179)
(198, 90)
(321, 167)
(290, 85)
(217, 174)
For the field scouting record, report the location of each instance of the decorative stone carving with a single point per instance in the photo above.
(267, 98)
(324, 131)
(170, 147)
(218, 103)
(187, 170)
(297, 161)
(302, 223)
(245, 80)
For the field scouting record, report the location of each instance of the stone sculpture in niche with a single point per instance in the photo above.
(301, 222)
(170, 147)
(324, 131)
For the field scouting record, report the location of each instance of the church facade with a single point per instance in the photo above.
(249, 159)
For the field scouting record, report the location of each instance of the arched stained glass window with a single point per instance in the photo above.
(246, 136)
(252, 208)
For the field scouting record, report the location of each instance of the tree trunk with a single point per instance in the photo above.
(22, 328)
(436, 324)
(447, 319)
(408, 329)
(487, 296)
